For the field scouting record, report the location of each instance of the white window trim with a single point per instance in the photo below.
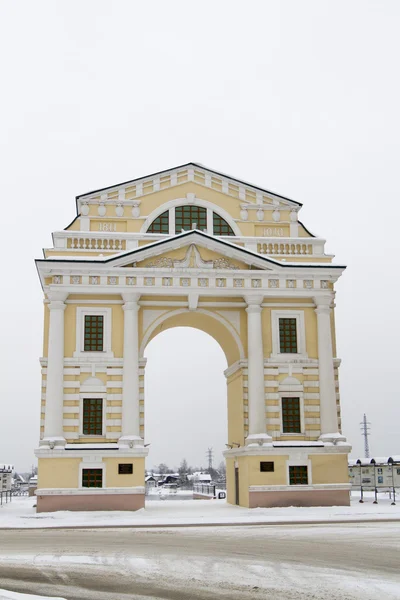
(172, 204)
(101, 396)
(293, 462)
(300, 395)
(81, 312)
(92, 465)
(301, 334)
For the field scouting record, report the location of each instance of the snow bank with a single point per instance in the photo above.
(21, 513)
(6, 595)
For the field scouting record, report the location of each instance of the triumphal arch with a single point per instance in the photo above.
(189, 247)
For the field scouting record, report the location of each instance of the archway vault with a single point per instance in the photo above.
(217, 326)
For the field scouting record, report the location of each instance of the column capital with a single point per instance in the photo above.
(130, 301)
(57, 299)
(323, 304)
(253, 303)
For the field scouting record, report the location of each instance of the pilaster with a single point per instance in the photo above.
(327, 391)
(257, 430)
(130, 375)
(53, 423)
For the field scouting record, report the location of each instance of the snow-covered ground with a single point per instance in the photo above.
(21, 513)
(5, 595)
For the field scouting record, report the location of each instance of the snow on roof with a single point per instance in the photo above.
(6, 468)
(379, 460)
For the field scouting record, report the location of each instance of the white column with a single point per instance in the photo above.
(130, 378)
(53, 422)
(327, 390)
(256, 395)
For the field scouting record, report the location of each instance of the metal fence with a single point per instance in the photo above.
(205, 489)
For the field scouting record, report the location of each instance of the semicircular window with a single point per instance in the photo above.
(190, 217)
(161, 224)
(220, 226)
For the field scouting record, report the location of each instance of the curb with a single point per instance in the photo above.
(210, 524)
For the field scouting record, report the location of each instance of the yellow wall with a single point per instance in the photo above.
(58, 472)
(329, 468)
(115, 480)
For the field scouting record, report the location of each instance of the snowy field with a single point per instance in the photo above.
(21, 513)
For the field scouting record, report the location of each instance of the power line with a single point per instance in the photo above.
(365, 432)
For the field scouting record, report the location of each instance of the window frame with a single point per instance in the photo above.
(173, 204)
(288, 396)
(191, 207)
(91, 465)
(90, 396)
(101, 402)
(297, 467)
(300, 331)
(106, 313)
(300, 462)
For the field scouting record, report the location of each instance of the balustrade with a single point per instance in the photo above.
(95, 243)
(284, 248)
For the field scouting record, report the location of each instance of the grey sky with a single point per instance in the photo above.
(300, 97)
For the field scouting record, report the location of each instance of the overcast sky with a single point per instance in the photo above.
(300, 97)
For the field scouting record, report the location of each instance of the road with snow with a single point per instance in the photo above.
(304, 562)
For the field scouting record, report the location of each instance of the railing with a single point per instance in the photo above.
(284, 248)
(205, 489)
(95, 243)
(5, 494)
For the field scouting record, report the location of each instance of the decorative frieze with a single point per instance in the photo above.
(131, 281)
(203, 282)
(273, 283)
(112, 280)
(238, 283)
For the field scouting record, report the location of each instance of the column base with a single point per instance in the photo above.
(52, 442)
(258, 439)
(130, 441)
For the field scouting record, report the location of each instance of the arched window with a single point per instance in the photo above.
(220, 226)
(189, 217)
(186, 216)
(161, 224)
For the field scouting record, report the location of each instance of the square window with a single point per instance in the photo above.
(288, 336)
(92, 416)
(92, 478)
(94, 333)
(267, 467)
(298, 475)
(291, 420)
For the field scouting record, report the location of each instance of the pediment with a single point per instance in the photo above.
(193, 250)
(192, 257)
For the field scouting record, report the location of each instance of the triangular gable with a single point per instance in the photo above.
(258, 191)
(196, 249)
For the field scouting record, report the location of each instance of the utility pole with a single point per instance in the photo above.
(365, 432)
(209, 455)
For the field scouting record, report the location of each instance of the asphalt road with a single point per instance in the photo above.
(282, 563)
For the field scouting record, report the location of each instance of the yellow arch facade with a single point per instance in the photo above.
(265, 294)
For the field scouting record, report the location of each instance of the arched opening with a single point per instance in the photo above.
(185, 398)
(184, 217)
